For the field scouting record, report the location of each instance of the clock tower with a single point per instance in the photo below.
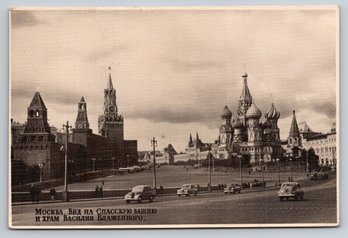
(110, 123)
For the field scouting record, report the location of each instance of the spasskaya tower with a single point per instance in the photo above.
(110, 123)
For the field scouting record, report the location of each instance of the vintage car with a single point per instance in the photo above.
(290, 190)
(187, 190)
(255, 183)
(232, 188)
(316, 175)
(139, 193)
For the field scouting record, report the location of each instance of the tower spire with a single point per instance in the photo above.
(246, 95)
(190, 140)
(294, 131)
(110, 86)
(82, 119)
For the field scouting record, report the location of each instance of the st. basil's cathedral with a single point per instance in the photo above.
(244, 134)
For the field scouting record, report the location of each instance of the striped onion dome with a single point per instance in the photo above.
(272, 113)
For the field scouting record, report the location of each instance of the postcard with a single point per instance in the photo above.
(174, 117)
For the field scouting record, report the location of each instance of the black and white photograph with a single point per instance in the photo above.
(173, 117)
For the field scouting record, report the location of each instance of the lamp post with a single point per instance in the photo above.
(209, 171)
(213, 157)
(127, 155)
(113, 162)
(66, 193)
(240, 170)
(278, 162)
(261, 166)
(154, 144)
(290, 169)
(41, 166)
(93, 163)
(307, 162)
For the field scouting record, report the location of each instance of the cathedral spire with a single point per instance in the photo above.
(294, 131)
(190, 140)
(246, 95)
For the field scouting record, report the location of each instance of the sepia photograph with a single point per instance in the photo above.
(173, 117)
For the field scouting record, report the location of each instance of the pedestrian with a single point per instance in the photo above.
(32, 193)
(198, 188)
(96, 191)
(102, 182)
(37, 194)
(161, 189)
(101, 191)
(52, 193)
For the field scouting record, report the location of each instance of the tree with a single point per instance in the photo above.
(313, 159)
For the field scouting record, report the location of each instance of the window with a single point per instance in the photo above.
(37, 113)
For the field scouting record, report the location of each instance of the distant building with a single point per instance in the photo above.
(167, 156)
(195, 151)
(324, 146)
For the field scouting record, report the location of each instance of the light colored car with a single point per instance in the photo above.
(187, 190)
(232, 188)
(139, 193)
(290, 190)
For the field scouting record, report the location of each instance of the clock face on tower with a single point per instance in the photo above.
(111, 108)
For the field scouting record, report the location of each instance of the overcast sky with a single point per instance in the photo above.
(175, 70)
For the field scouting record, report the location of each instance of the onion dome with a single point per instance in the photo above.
(253, 112)
(272, 113)
(237, 124)
(267, 124)
(226, 113)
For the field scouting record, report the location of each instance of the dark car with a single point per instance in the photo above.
(139, 193)
(317, 175)
(255, 183)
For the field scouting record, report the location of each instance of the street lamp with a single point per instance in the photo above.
(278, 160)
(154, 144)
(307, 162)
(290, 169)
(209, 170)
(41, 166)
(66, 194)
(93, 163)
(127, 160)
(240, 170)
(113, 162)
(261, 166)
